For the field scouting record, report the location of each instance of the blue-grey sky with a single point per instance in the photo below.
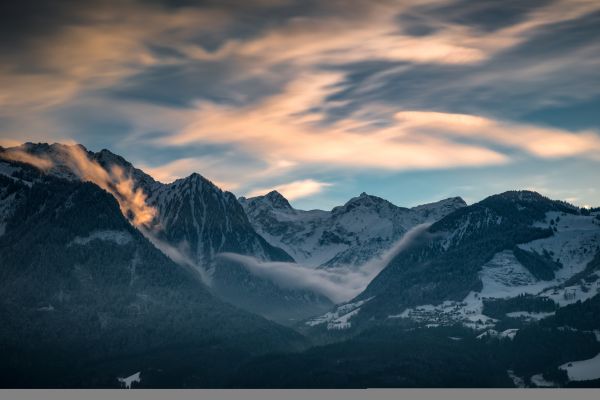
(412, 101)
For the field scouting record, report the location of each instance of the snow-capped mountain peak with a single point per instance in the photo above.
(273, 199)
(364, 201)
(348, 235)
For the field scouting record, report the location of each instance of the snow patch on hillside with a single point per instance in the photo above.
(574, 243)
(539, 381)
(584, 370)
(128, 381)
(504, 276)
(517, 381)
(530, 316)
(492, 333)
(571, 294)
(118, 237)
(340, 317)
(467, 312)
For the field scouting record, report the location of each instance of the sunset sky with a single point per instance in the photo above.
(410, 101)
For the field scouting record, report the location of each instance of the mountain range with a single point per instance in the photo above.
(506, 245)
(348, 235)
(106, 271)
(81, 287)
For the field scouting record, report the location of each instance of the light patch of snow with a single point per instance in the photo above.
(342, 322)
(49, 307)
(571, 294)
(403, 314)
(584, 370)
(574, 244)
(467, 312)
(456, 339)
(128, 381)
(597, 334)
(567, 328)
(509, 333)
(539, 381)
(492, 333)
(517, 381)
(504, 276)
(118, 237)
(531, 316)
(340, 317)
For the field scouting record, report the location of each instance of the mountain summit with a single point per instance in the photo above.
(348, 235)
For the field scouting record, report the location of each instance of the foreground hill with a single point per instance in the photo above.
(86, 298)
(191, 220)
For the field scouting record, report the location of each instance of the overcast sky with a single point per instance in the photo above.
(411, 101)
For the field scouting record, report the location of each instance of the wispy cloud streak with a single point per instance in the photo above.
(338, 284)
(132, 201)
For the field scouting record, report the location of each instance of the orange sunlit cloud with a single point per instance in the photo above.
(293, 190)
(283, 127)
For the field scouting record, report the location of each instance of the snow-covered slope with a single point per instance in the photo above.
(196, 215)
(348, 235)
(191, 213)
(574, 244)
(506, 246)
